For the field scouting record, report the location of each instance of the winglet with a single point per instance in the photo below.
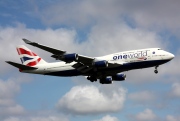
(27, 41)
(30, 42)
(43, 47)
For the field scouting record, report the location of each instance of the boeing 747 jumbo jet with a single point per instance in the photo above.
(107, 68)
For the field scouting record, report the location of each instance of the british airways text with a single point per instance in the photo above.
(138, 54)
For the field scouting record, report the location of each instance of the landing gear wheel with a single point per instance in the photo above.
(91, 78)
(155, 71)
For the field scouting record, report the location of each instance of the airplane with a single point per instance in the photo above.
(106, 69)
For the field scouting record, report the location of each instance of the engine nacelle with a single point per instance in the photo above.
(107, 80)
(102, 63)
(70, 57)
(119, 77)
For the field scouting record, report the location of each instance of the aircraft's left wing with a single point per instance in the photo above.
(46, 48)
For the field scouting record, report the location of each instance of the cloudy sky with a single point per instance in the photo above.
(91, 28)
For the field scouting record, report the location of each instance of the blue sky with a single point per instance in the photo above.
(92, 28)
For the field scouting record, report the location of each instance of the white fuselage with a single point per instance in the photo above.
(128, 60)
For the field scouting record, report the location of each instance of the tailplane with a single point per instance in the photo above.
(20, 66)
(29, 58)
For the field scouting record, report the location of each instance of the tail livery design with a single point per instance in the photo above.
(28, 57)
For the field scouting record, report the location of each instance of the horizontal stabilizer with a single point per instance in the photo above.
(20, 66)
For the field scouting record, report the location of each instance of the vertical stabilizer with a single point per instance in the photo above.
(28, 57)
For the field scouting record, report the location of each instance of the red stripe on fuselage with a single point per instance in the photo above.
(23, 51)
(33, 63)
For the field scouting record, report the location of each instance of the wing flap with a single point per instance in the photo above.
(81, 67)
(20, 66)
(114, 64)
(85, 60)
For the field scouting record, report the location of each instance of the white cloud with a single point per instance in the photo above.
(88, 12)
(6, 101)
(12, 110)
(91, 100)
(175, 90)
(153, 14)
(8, 90)
(119, 37)
(36, 115)
(108, 118)
(171, 68)
(48, 118)
(12, 119)
(143, 96)
(146, 115)
(172, 118)
(37, 118)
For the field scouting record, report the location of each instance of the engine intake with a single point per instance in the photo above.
(102, 63)
(119, 77)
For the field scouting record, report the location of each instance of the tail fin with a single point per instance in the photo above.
(28, 57)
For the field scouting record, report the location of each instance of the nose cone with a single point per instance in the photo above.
(171, 56)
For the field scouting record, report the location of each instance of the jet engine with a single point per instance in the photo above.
(66, 57)
(102, 63)
(119, 77)
(70, 57)
(107, 80)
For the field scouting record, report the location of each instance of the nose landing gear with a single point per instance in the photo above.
(156, 71)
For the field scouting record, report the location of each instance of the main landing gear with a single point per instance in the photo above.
(156, 71)
(92, 78)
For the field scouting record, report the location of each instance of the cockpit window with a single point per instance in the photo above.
(159, 49)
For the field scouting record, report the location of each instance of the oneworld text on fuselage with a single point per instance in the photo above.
(138, 54)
